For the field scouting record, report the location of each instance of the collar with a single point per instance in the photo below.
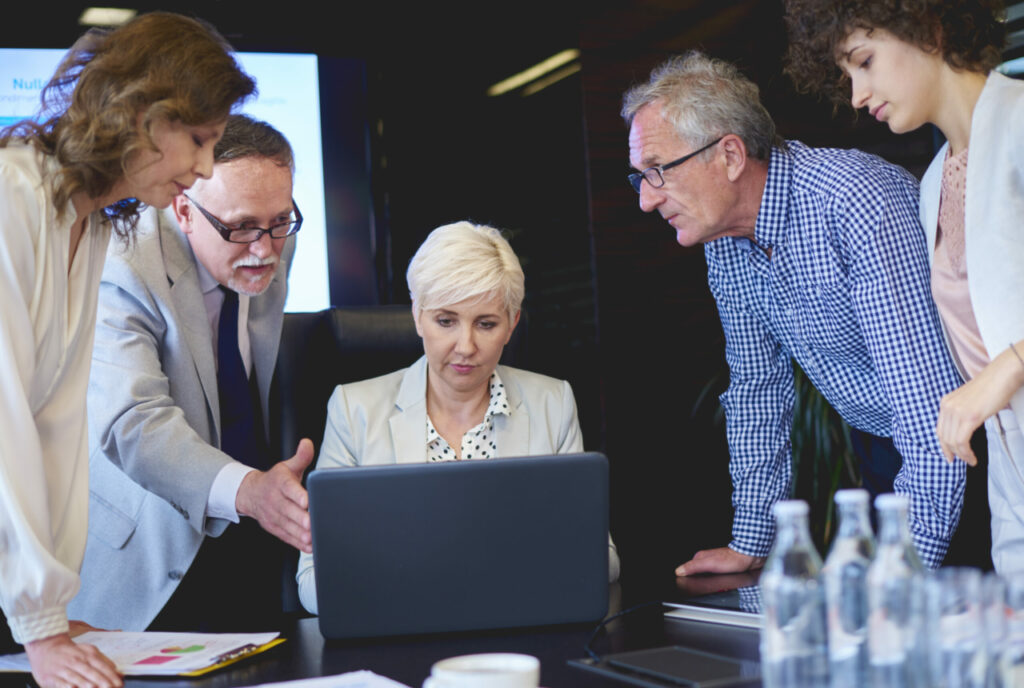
(770, 228)
(207, 282)
(499, 405)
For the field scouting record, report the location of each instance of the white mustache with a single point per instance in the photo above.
(251, 261)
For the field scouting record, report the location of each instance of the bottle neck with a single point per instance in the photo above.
(854, 521)
(792, 532)
(893, 528)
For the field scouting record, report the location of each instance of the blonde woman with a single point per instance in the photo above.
(456, 402)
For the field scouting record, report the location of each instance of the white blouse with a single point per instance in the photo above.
(480, 442)
(47, 320)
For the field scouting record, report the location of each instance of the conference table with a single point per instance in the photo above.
(306, 654)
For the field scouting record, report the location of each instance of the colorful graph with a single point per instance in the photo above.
(169, 654)
(182, 650)
(157, 659)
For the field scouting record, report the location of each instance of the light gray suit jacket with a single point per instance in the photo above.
(154, 422)
(384, 421)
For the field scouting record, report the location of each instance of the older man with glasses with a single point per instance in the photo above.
(190, 518)
(813, 255)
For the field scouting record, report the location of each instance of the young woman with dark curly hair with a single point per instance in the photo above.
(130, 117)
(919, 61)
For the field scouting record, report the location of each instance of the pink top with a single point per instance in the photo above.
(949, 270)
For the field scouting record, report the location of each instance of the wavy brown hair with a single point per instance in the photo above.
(161, 65)
(968, 34)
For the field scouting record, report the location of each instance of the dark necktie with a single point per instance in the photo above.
(241, 418)
(243, 566)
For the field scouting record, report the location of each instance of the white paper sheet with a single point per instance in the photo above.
(157, 654)
(354, 679)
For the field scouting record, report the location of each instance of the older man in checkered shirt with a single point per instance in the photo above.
(815, 255)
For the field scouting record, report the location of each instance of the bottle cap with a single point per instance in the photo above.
(790, 507)
(852, 497)
(890, 500)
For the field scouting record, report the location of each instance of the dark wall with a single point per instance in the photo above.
(445, 151)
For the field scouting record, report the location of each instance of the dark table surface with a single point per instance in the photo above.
(307, 654)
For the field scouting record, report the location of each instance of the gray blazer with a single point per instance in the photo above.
(154, 422)
(384, 421)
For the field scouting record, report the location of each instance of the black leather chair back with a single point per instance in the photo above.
(332, 347)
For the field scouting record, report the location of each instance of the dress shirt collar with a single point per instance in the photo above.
(207, 282)
(770, 228)
(213, 299)
(498, 406)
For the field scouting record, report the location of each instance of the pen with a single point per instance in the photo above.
(234, 654)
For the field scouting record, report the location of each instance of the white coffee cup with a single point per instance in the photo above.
(492, 670)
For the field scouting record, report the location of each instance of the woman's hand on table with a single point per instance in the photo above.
(59, 662)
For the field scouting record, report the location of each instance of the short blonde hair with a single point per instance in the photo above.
(462, 261)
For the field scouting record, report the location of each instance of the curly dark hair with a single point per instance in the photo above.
(163, 65)
(969, 34)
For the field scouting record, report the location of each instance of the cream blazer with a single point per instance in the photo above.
(994, 216)
(384, 421)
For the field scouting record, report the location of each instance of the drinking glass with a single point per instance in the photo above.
(955, 628)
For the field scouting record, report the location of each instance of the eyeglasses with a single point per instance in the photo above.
(653, 175)
(247, 235)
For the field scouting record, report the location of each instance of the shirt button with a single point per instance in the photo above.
(175, 575)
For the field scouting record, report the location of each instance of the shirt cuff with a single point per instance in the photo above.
(753, 531)
(224, 491)
(931, 550)
(38, 625)
(749, 549)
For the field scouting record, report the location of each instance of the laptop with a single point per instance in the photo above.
(463, 545)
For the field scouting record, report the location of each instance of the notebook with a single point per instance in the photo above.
(463, 545)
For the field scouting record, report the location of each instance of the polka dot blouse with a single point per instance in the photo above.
(478, 442)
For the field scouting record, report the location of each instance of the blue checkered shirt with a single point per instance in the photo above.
(846, 294)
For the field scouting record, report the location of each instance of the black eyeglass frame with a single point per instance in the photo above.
(226, 232)
(636, 178)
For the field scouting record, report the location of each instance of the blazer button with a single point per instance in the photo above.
(175, 575)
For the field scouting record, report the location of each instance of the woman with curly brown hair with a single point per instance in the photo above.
(130, 117)
(919, 61)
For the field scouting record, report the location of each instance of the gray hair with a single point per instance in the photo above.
(703, 99)
(246, 137)
(464, 261)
